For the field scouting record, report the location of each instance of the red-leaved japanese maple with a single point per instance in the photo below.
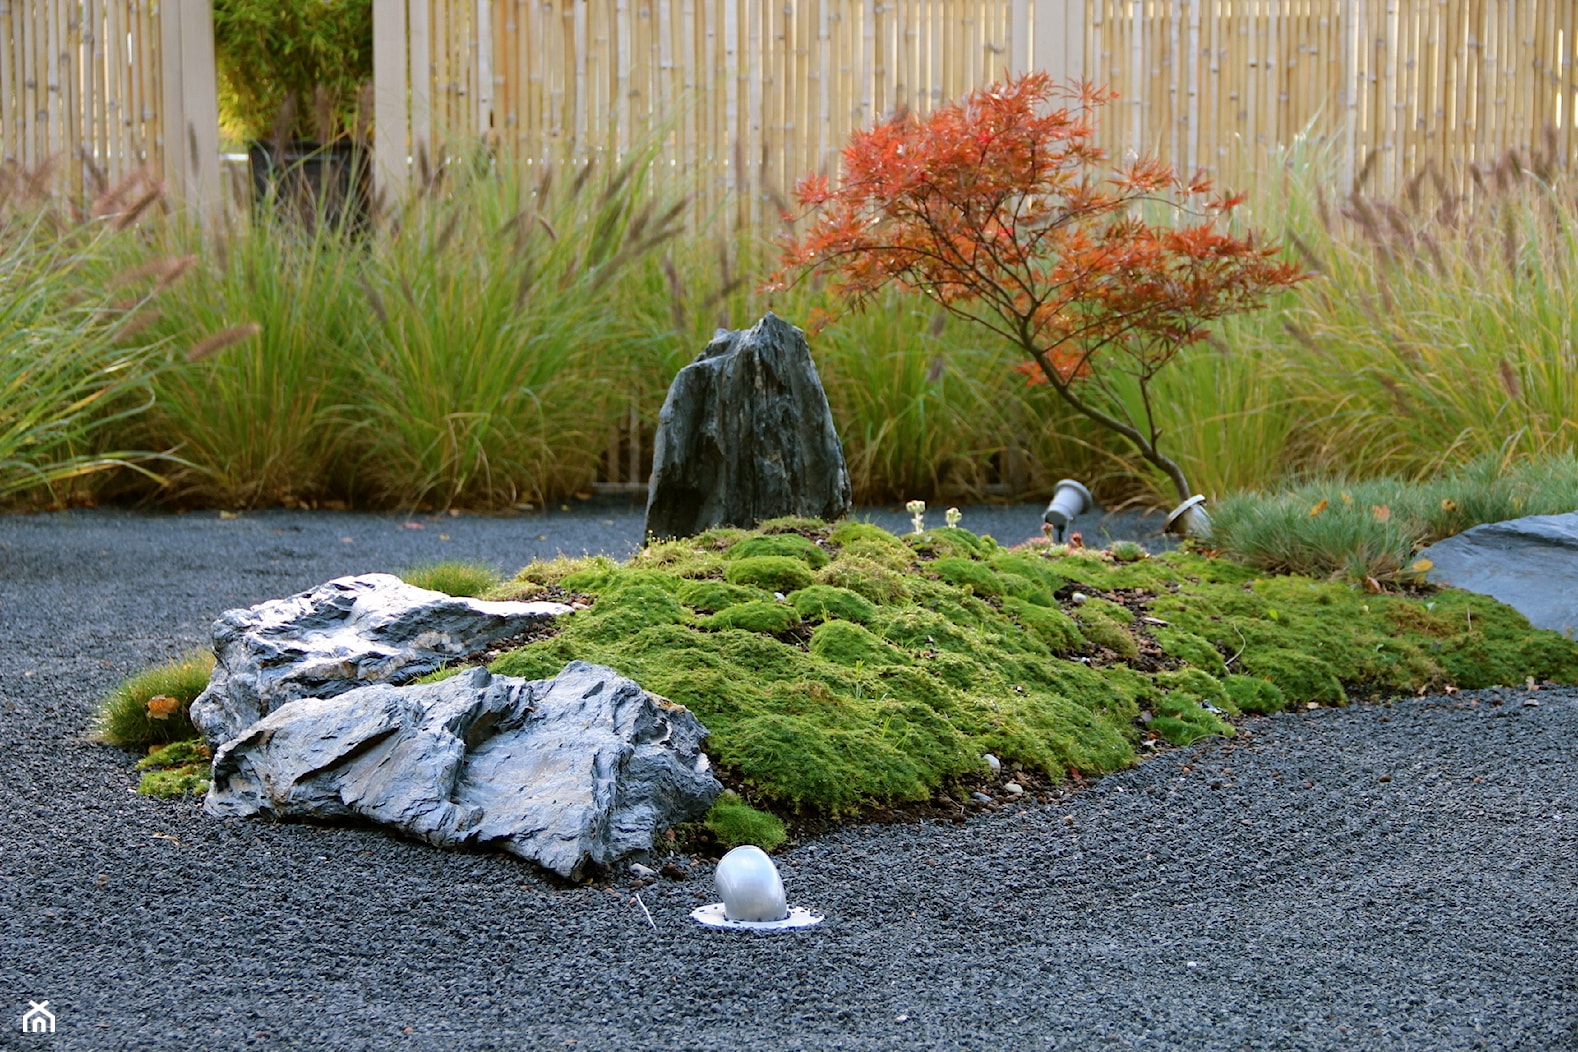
(998, 209)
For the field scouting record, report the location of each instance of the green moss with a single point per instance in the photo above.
(844, 643)
(1052, 734)
(1256, 696)
(957, 605)
(850, 531)
(624, 611)
(552, 572)
(453, 577)
(788, 545)
(578, 575)
(152, 707)
(1024, 588)
(862, 540)
(1301, 677)
(176, 754)
(1116, 611)
(1127, 552)
(876, 582)
(892, 554)
(537, 661)
(968, 573)
(718, 595)
(774, 573)
(175, 782)
(1103, 631)
(952, 542)
(688, 558)
(923, 630)
(793, 524)
(757, 615)
(735, 822)
(175, 770)
(1051, 626)
(1201, 687)
(958, 670)
(1491, 644)
(909, 676)
(823, 602)
(1034, 568)
(1197, 651)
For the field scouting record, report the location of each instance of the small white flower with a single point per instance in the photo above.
(917, 509)
(953, 515)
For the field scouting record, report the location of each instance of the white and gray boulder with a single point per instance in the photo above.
(1531, 564)
(341, 635)
(576, 771)
(746, 434)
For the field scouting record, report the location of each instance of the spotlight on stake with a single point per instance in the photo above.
(753, 896)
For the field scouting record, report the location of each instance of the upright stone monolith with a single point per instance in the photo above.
(746, 435)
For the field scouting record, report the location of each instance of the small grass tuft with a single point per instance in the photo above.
(151, 708)
(452, 577)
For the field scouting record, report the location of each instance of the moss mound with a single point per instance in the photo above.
(774, 573)
(735, 822)
(895, 663)
(177, 769)
(789, 545)
(824, 602)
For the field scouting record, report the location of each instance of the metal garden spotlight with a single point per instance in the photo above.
(1069, 501)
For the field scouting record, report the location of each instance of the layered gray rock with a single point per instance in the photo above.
(1531, 564)
(341, 635)
(575, 771)
(746, 435)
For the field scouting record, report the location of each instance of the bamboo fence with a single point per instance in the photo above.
(99, 91)
(1385, 87)
(746, 96)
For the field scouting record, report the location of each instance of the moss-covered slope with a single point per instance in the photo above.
(841, 667)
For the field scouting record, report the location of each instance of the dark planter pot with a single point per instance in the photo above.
(312, 183)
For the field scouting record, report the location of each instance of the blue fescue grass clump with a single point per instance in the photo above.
(1372, 530)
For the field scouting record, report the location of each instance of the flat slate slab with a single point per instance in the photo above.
(1531, 564)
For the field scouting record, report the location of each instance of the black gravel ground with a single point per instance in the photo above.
(1393, 876)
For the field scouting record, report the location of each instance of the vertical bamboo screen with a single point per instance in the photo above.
(1386, 86)
(741, 95)
(751, 94)
(78, 83)
(94, 88)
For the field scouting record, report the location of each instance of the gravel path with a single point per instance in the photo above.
(1400, 876)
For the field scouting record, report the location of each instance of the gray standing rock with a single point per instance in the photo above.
(1531, 564)
(347, 633)
(746, 435)
(582, 769)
